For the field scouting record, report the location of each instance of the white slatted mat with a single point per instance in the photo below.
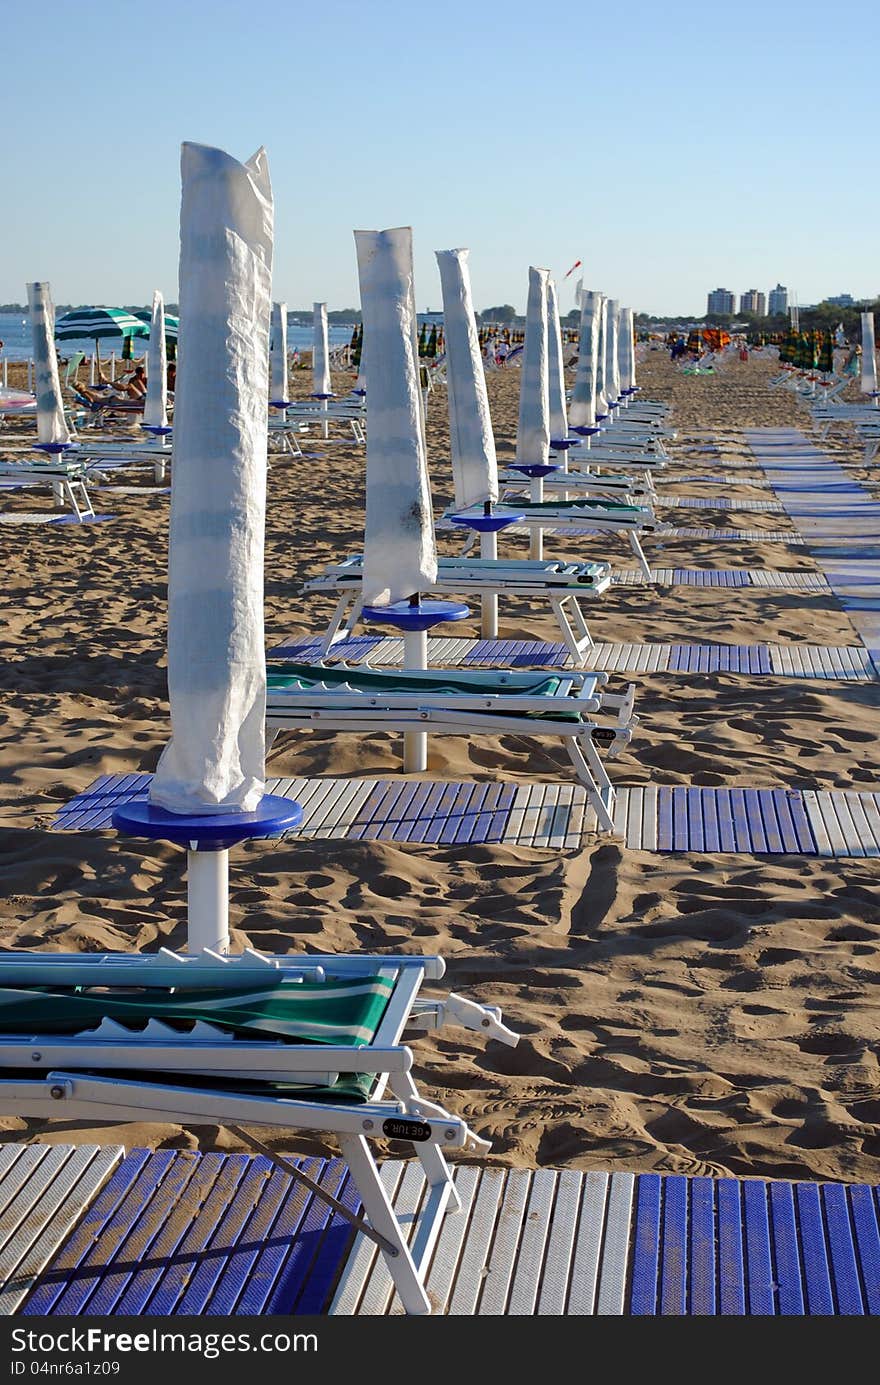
(848, 662)
(757, 577)
(844, 822)
(695, 502)
(44, 1191)
(552, 1242)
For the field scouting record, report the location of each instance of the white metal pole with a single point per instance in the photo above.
(536, 535)
(415, 743)
(5, 376)
(93, 364)
(489, 600)
(207, 896)
(113, 364)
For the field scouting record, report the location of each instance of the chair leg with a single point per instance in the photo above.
(591, 773)
(575, 643)
(336, 621)
(69, 489)
(378, 1208)
(635, 545)
(430, 1156)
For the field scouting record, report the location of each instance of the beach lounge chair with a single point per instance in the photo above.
(65, 478)
(104, 411)
(590, 484)
(601, 515)
(298, 413)
(296, 1043)
(17, 402)
(462, 703)
(565, 585)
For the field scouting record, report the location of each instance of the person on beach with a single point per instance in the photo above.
(678, 349)
(853, 364)
(109, 391)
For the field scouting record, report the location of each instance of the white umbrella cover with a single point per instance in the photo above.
(533, 426)
(155, 411)
(556, 367)
(278, 354)
(471, 440)
(400, 555)
(215, 760)
(612, 368)
(626, 349)
(582, 413)
(320, 351)
(869, 358)
(601, 387)
(51, 425)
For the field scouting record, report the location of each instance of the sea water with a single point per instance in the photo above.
(15, 334)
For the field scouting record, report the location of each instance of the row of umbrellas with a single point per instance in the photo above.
(214, 763)
(96, 324)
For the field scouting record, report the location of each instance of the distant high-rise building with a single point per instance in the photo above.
(778, 302)
(721, 301)
(753, 302)
(842, 300)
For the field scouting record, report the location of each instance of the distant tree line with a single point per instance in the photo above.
(825, 317)
(69, 307)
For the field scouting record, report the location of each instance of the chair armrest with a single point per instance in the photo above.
(456, 1009)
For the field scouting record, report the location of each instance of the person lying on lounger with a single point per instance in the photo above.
(109, 391)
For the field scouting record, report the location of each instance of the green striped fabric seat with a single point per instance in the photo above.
(582, 504)
(340, 1012)
(440, 683)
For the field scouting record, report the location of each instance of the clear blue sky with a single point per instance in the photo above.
(671, 146)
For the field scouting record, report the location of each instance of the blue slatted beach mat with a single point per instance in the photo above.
(836, 516)
(175, 1232)
(850, 663)
(181, 1233)
(655, 818)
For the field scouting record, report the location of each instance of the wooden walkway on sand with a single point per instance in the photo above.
(654, 817)
(88, 1232)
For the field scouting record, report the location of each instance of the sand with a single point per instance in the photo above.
(701, 1013)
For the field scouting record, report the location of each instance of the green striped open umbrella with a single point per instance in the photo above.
(171, 323)
(96, 323)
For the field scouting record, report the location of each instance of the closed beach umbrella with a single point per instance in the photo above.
(555, 366)
(869, 357)
(278, 355)
(400, 556)
(51, 425)
(471, 441)
(601, 394)
(215, 760)
(582, 412)
(626, 350)
(826, 354)
(320, 352)
(533, 426)
(155, 411)
(612, 368)
(96, 324)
